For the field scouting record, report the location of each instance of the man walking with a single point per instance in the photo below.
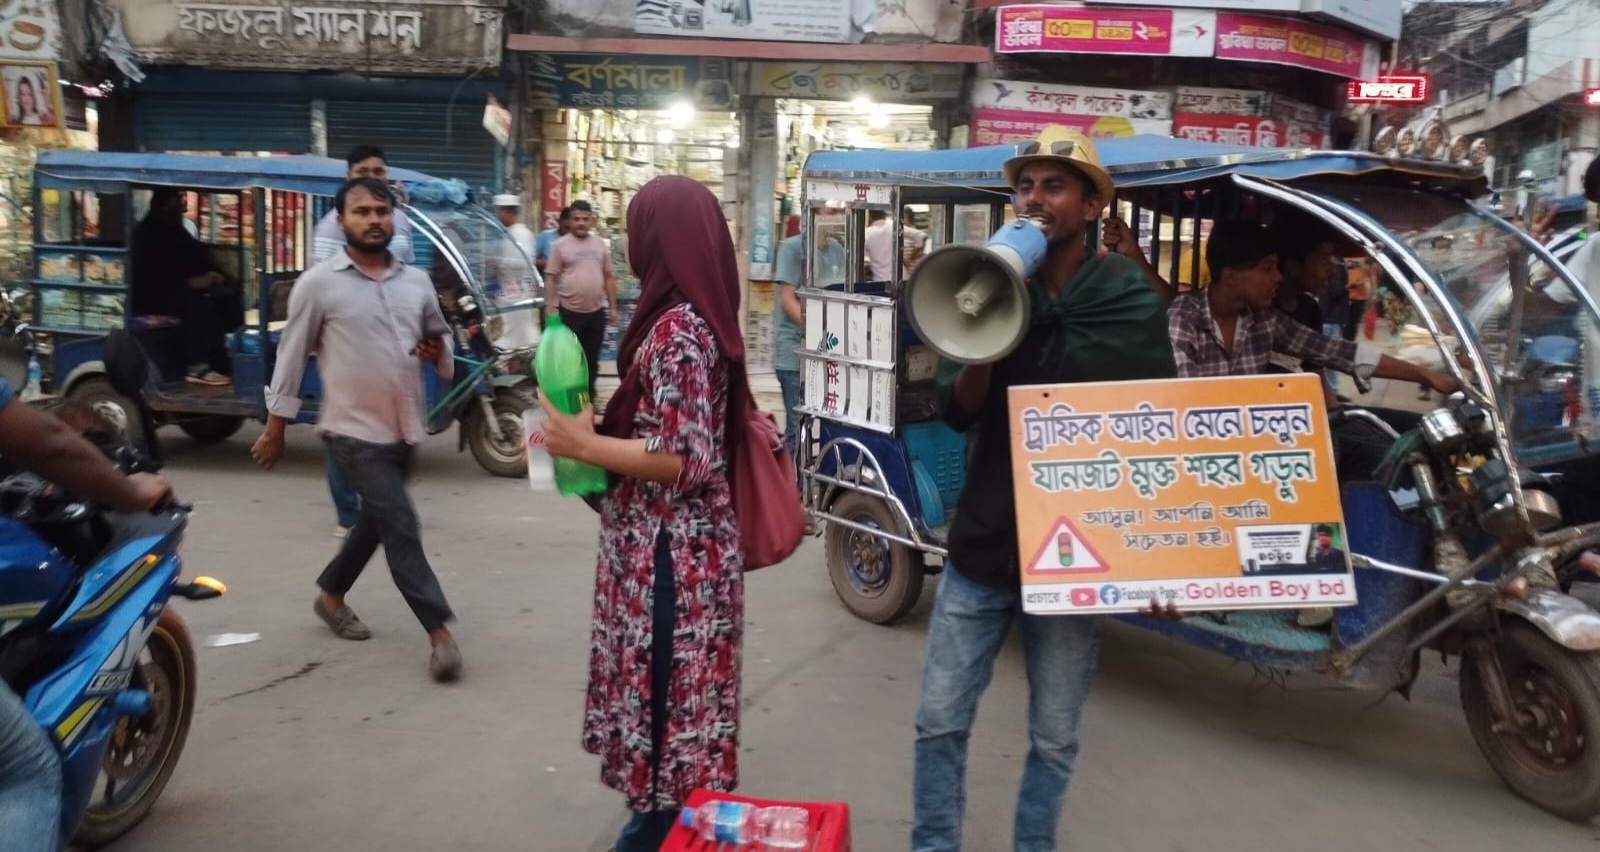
(369, 318)
(518, 327)
(581, 274)
(1096, 319)
(363, 161)
(548, 236)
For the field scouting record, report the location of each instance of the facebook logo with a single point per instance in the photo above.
(1110, 595)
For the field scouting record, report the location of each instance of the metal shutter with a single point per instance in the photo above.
(223, 123)
(443, 140)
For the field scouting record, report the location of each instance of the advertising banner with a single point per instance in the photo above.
(1287, 41)
(1209, 101)
(1207, 493)
(586, 80)
(1075, 100)
(1099, 29)
(759, 20)
(30, 95)
(1001, 126)
(1247, 130)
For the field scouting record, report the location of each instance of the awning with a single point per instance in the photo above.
(968, 54)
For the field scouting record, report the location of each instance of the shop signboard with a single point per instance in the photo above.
(1231, 5)
(1207, 493)
(552, 192)
(1075, 100)
(30, 94)
(1099, 29)
(416, 37)
(1247, 130)
(1001, 126)
(594, 81)
(761, 20)
(30, 30)
(1209, 101)
(887, 82)
(1393, 89)
(1287, 41)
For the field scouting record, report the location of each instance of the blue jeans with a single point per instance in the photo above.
(345, 502)
(965, 632)
(789, 384)
(30, 781)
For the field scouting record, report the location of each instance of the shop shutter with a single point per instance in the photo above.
(223, 123)
(443, 140)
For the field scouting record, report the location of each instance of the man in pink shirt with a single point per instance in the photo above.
(580, 272)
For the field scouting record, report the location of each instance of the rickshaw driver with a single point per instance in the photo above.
(1231, 328)
(1094, 319)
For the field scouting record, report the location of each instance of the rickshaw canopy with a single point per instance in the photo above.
(101, 171)
(1135, 161)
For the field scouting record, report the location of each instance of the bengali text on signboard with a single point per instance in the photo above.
(1206, 493)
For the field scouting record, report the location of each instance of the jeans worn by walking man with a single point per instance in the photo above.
(1094, 319)
(368, 322)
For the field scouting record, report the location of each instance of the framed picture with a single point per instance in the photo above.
(31, 94)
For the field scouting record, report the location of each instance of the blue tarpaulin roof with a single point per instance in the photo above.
(1132, 161)
(114, 172)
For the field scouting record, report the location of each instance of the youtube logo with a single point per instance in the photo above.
(1084, 597)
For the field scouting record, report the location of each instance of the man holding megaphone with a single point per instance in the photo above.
(1034, 307)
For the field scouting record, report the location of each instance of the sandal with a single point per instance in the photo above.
(343, 621)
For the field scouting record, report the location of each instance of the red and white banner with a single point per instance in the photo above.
(1000, 126)
(552, 192)
(1246, 130)
(1289, 41)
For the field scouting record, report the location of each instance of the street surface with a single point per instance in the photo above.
(305, 742)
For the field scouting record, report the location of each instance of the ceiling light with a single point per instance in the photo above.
(862, 103)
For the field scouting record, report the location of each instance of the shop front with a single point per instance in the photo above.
(612, 123)
(284, 78)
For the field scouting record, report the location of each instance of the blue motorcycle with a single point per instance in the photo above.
(88, 642)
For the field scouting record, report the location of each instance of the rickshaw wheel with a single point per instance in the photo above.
(98, 394)
(878, 580)
(1544, 753)
(211, 429)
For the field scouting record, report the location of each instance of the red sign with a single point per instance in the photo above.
(1245, 130)
(1592, 98)
(1400, 89)
(1289, 41)
(552, 192)
(1071, 29)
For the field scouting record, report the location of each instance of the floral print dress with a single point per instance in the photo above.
(683, 410)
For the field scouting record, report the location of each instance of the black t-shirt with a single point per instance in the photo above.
(1309, 314)
(1113, 327)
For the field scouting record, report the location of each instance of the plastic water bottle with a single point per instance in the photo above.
(34, 389)
(562, 372)
(737, 822)
(541, 468)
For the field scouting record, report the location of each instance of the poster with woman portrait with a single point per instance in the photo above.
(31, 95)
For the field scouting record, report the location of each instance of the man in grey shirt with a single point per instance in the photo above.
(363, 161)
(369, 318)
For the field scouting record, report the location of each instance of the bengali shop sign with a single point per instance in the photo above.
(1073, 29)
(1072, 100)
(1288, 41)
(1206, 493)
(1003, 126)
(1247, 130)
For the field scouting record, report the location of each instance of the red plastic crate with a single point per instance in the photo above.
(829, 826)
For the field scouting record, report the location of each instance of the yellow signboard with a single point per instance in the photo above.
(1207, 493)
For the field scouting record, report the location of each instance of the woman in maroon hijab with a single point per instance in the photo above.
(663, 705)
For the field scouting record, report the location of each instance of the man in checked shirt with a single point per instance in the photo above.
(1231, 329)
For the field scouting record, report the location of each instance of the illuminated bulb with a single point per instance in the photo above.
(680, 113)
(879, 119)
(665, 136)
(861, 103)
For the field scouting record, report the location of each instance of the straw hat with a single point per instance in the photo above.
(1058, 144)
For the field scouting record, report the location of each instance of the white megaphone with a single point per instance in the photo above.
(971, 304)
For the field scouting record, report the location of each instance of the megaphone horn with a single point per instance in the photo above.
(970, 304)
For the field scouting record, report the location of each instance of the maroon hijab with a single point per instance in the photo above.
(678, 245)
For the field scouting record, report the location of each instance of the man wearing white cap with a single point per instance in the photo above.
(1094, 319)
(519, 328)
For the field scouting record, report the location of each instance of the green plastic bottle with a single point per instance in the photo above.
(562, 372)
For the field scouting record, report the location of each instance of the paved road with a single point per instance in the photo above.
(304, 742)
